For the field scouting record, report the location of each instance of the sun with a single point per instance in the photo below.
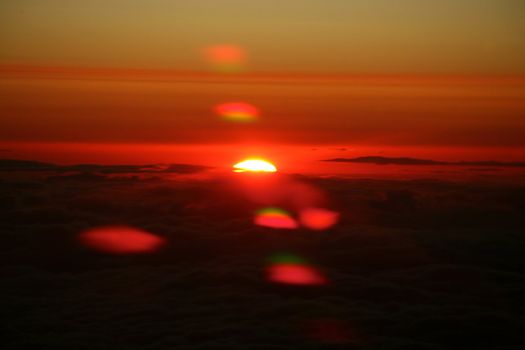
(254, 165)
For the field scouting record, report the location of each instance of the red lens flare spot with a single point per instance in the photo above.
(226, 53)
(295, 274)
(318, 218)
(226, 57)
(275, 218)
(237, 111)
(121, 240)
(254, 165)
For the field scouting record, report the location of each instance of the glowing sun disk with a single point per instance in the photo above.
(255, 165)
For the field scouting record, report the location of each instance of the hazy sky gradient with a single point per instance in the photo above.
(358, 36)
(354, 74)
(408, 112)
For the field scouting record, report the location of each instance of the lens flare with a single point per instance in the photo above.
(275, 218)
(318, 218)
(226, 58)
(295, 274)
(254, 165)
(120, 240)
(237, 111)
(292, 270)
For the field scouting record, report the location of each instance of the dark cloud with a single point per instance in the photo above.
(421, 264)
(415, 161)
(24, 165)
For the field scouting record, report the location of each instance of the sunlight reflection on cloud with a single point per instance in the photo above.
(306, 201)
(263, 188)
(120, 240)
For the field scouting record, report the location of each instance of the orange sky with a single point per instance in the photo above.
(357, 36)
(372, 75)
(123, 106)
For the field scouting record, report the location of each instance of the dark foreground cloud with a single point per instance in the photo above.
(416, 161)
(420, 264)
(28, 165)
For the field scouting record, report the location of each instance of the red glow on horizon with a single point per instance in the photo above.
(265, 189)
(120, 240)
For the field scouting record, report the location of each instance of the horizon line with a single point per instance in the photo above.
(20, 70)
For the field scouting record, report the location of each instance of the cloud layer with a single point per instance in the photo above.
(377, 160)
(417, 264)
